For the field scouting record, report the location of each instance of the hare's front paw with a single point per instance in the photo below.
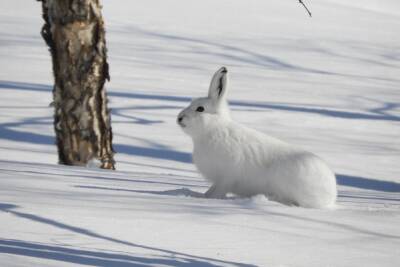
(215, 191)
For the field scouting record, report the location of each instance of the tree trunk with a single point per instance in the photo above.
(74, 32)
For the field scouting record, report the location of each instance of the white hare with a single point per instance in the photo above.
(243, 161)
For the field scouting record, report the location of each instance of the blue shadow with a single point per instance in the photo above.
(186, 192)
(367, 183)
(374, 114)
(90, 258)
(158, 153)
(171, 258)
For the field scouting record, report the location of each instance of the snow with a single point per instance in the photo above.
(329, 84)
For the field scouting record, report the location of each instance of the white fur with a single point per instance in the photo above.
(246, 162)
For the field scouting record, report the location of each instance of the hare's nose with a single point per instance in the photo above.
(180, 121)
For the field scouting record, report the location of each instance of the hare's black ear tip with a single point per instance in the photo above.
(224, 70)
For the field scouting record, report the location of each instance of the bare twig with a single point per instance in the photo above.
(308, 11)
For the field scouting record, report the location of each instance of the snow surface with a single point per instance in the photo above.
(329, 84)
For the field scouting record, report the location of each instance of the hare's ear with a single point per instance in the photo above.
(218, 86)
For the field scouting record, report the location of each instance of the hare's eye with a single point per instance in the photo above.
(200, 109)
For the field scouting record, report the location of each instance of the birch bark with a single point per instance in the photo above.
(74, 32)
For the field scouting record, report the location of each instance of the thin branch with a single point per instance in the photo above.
(308, 11)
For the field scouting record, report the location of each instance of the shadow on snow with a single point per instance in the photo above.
(367, 183)
(186, 192)
(168, 258)
(92, 258)
(380, 113)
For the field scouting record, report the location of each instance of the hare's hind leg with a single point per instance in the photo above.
(215, 191)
